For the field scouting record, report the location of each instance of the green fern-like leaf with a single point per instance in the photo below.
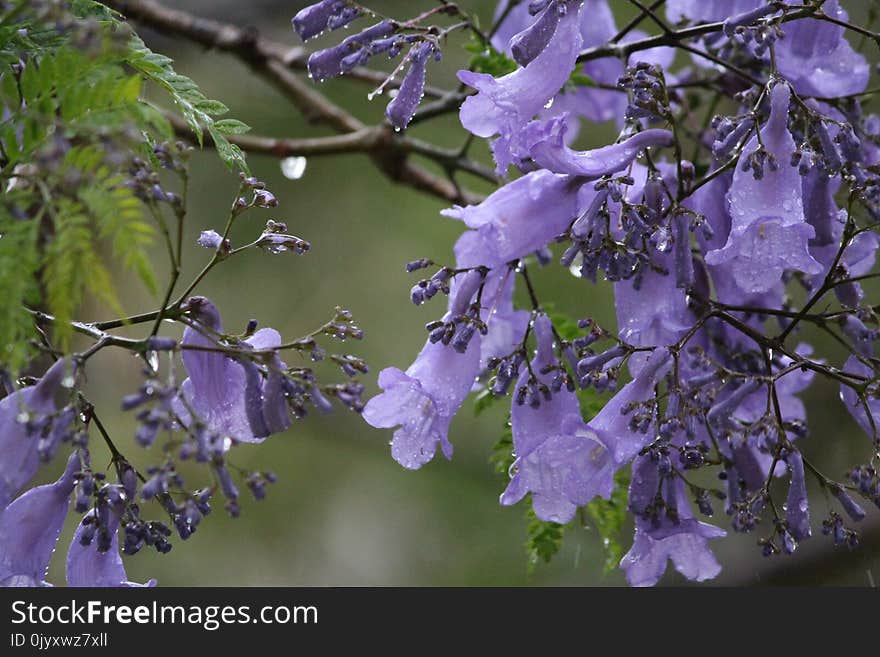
(199, 112)
(73, 266)
(19, 264)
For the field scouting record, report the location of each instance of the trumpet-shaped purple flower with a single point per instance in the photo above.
(613, 421)
(655, 313)
(87, 566)
(705, 11)
(519, 218)
(683, 540)
(19, 453)
(769, 234)
(560, 460)
(226, 394)
(30, 526)
(423, 400)
(505, 105)
(817, 59)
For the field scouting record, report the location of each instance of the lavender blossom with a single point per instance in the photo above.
(19, 448)
(219, 389)
(505, 105)
(683, 541)
(560, 460)
(769, 234)
(88, 565)
(30, 526)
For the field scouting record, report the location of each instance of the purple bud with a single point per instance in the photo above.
(747, 18)
(593, 363)
(401, 110)
(849, 505)
(415, 265)
(684, 262)
(327, 63)
(314, 19)
(531, 42)
(210, 239)
(723, 147)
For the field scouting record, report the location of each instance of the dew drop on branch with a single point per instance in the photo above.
(294, 167)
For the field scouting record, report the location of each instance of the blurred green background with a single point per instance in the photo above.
(343, 512)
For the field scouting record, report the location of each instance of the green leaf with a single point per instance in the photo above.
(19, 264)
(72, 267)
(502, 451)
(485, 399)
(488, 60)
(578, 79)
(544, 539)
(231, 127)
(609, 516)
(198, 110)
(564, 325)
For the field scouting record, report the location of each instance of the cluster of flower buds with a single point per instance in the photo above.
(749, 29)
(730, 134)
(158, 416)
(506, 371)
(834, 527)
(867, 480)
(144, 181)
(648, 96)
(594, 242)
(385, 37)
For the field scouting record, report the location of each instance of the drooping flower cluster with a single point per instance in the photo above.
(238, 389)
(701, 254)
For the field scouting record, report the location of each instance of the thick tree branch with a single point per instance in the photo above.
(378, 141)
(243, 42)
(273, 62)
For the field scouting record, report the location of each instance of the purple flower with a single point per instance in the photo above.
(210, 239)
(87, 566)
(769, 234)
(560, 460)
(505, 105)
(401, 110)
(654, 314)
(30, 526)
(533, 39)
(817, 59)
(19, 453)
(423, 400)
(612, 421)
(520, 217)
(685, 541)
(706, 11)
(226, 394)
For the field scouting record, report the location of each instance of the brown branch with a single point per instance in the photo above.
(243, 42)
(271, 61)
(386, 149)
